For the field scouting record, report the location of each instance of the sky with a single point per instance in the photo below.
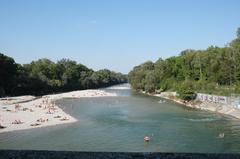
(113, 34)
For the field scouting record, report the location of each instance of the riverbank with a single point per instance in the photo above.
(27, 112)
(208, 106)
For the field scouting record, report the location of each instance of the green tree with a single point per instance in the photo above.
(8, 73)
(209, 70)
(186, 91)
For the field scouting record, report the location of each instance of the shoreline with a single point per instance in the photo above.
(28, 112)
(207, 106)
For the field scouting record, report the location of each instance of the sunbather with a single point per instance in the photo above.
(2, 127)
(65, 118)
(17, 122)
(35, 124)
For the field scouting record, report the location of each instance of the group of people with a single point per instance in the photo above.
(46, 105)
(39, 121)
(42, 120)
(50, 105)
(17, 122)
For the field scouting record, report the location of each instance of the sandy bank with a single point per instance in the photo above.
(27, 112)
(208, 106)
(17, 99)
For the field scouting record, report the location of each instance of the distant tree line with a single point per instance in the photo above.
(44, 76)
(214, 70)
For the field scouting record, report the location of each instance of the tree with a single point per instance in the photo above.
(209, 70)
(44, 76)
(151, 82)
(8, 73)
(238, 33)
(186, 91)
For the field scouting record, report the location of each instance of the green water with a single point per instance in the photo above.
(120, 123)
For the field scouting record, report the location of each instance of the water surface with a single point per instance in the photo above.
(120, 123)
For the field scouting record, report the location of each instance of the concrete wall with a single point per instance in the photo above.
(32, 154)
(232, 101)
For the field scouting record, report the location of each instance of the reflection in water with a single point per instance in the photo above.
(120, 124)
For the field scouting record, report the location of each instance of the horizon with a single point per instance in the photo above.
(113, 35)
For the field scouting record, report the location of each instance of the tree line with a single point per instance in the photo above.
(214, 70)
(45, 76)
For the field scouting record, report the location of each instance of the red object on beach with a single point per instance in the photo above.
(146, 138)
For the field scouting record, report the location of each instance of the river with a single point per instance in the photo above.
(120, 124)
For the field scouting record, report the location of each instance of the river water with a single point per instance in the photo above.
(120, 124)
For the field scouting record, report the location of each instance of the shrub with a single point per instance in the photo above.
(186, 91)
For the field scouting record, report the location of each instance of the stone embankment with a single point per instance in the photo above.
(218, 104)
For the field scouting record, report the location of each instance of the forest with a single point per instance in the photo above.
(215, 70)
(45, 76)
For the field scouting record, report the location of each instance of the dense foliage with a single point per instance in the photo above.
(214, 70)
(44, 76)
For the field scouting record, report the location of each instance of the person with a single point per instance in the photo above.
(221, 135)
(2, 127)
(17, 122)
(146, 138)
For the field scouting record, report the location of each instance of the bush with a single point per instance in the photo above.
(186, 91)
(187, 94)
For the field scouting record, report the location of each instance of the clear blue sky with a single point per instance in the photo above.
(113, 34)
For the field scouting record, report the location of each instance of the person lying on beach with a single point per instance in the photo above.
(42, 120)
(58, 116)
(24, 109)
(38, 106)
(17, 106)
(2, 127)
(35, 124)
(17, 122)
(49, 112)
(63, 119)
